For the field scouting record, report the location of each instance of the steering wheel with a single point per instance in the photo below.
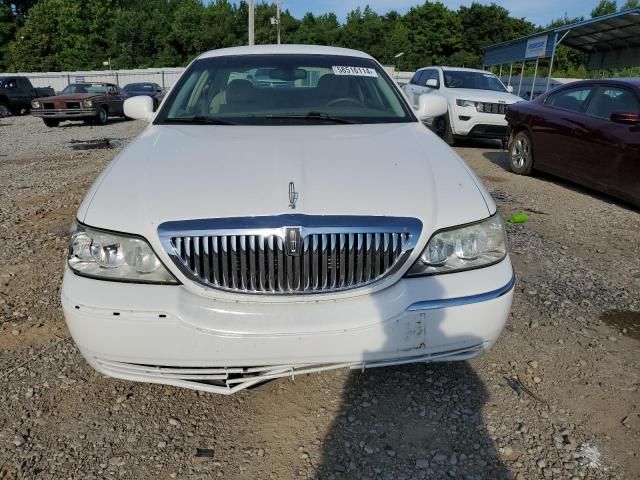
(347, 100)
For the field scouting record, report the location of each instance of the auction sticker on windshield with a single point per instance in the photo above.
(358, 71)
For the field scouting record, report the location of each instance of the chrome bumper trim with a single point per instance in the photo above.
(459, 301)
(229, 380)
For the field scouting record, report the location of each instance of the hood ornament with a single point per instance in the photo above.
(293, 196)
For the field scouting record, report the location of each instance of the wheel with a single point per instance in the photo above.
(4, 111)
(442, 127)
(103, 116)
(51, 122)
(521, 153)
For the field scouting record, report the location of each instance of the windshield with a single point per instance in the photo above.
(140, 87)
(84, 88)
(284, 90)
(473, 80)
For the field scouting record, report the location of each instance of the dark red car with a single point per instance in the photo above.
(91, 102)
(587, 132)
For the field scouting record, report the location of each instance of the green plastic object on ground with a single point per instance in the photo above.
(519, 217)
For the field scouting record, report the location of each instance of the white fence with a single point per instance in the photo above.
(165, 77)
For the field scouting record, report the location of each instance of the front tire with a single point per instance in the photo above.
(4, 111)
(102, 117)
(442, 127)
(521, 154)
(51, 122)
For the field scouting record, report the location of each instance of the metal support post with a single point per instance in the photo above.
(524, 62)
(535, 74)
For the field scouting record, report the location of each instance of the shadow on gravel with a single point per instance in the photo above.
(499, 158)
(421, 421)
(416, 421)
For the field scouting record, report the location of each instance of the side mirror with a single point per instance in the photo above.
(139, 108)
(432, 83)
(432, 106)
(510, 89)
(626, 118)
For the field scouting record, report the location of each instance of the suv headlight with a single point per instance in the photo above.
(463, 248)
(35, 104)
(465, 103)
(87, 102)
(114, 256)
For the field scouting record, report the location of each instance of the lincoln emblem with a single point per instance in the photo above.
(293, 241)
(293, 196)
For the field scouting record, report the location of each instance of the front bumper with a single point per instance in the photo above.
(468, 122)
(65, 113)
(168, 335)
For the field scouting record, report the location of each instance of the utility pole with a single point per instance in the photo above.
(278, 18)
(252, 5)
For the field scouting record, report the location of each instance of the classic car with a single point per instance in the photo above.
(16, 94)
(91, 102)
(250, 233)
(587, 132)
(148, 89)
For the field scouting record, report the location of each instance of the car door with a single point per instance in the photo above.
(611, 159)
(116, 100)
(557, 130)
(413, 88)
(25, 92)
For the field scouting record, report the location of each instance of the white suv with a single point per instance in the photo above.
(477, 101)
(302, 222)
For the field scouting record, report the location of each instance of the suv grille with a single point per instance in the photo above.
(259, 255)
(499, 108)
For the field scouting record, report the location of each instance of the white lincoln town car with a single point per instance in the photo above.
(284, 212)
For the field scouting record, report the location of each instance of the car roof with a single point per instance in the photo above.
(285, 50)
(455, 69)
(631, 81)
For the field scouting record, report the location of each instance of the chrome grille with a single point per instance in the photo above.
(251, 256)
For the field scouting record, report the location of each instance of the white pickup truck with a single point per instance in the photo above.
(257, 230)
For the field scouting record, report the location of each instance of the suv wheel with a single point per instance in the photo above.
(521, 154)
(4, 111)
(442, 127)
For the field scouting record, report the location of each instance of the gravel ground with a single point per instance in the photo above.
(572, 341)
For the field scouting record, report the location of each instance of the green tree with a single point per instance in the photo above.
(63, 35)
(485, 25)
(630, 4)
(7, 31)
(434, 32)
(605, 7)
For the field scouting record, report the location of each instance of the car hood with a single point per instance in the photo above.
(487, 96)
(72, 96)
(183, 172)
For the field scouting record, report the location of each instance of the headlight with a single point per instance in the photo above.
(35, 104)
(463, 248)
(114, 256)
(87, 102)
(465, 103)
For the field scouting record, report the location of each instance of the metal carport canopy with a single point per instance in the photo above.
(612, 41)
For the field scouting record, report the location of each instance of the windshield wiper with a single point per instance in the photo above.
(200, 119)
(313, 116)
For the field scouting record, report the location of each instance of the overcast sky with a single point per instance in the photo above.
(539, 12)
